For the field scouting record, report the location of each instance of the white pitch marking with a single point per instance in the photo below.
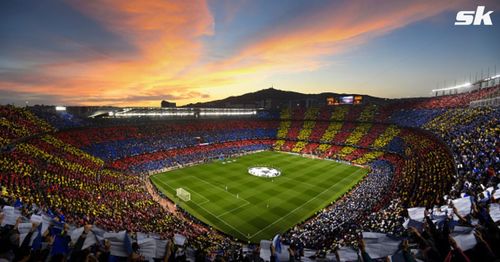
(304, 203)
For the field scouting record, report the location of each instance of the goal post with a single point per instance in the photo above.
(183, 194)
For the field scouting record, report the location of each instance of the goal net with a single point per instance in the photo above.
(183, 194)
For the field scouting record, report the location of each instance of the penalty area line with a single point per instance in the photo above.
(222, 189)
(314, 198)
(201, 203)
(234, 209)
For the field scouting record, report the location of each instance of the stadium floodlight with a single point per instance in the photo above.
(228, 113)
(453, 87)
(491, 78)
(183, 194)
(60, 108)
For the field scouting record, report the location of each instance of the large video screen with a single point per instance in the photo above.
(346, 99)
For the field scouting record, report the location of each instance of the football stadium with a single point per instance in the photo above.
(249, 131)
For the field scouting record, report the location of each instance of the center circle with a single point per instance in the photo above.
(264, 171)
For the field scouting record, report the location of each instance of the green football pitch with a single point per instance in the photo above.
(254, 208)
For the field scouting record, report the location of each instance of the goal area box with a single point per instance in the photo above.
(183, 194)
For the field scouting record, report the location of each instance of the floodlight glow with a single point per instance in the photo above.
(60, 108)
(228, 113)
(491, 78)
(181, 112)
(154, 114)
(453, 87)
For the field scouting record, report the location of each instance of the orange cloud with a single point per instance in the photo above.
(305, 43)
(166, 35)
(168, 38)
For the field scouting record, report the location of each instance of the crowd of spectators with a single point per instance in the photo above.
(414, 117)
(375, 131)
(70, 185)
(59, 119)
(427, 172)
(445, 101)
(146, 163)
(55, 174)
(338, 224)
(458, 234)
(473, 135)
(17, 123)
(112, 143)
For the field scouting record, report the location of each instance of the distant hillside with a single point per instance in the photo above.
(274, 98)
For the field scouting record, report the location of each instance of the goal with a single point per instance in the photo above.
(183, 194)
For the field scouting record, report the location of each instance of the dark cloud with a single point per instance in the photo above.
(25, 76)
(20, 98)
(53, 32)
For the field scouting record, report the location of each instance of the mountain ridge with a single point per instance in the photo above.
(277, 98)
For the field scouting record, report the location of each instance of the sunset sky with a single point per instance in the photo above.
(115, 52)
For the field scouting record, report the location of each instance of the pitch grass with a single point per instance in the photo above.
(255, 208)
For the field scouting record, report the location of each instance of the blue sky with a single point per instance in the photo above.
(124, 53)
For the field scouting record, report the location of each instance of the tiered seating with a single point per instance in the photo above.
(473, 136)
(330, 151)
(47, 170)
(58, 148)
(414, 117)
(58, 119)
(310, 148)
(339, 113)
(283, 129)
(294, 129)
(330, 133)
(307, 127)
(278, 144)
(297, 113)
(16, 123)
(139, 139)
(354, 112)
(299, 146)
(448, 101)
(427, 164)
(285, 124)
(322, 149)
(359, 132)
(318, 131)
(396, 146)
(357, 153)
(311, 113)
(452, 118)
(344, 132)
(304, 135)
(97, 135)
(368, 157)
(154, 161)
(385, 138)
(346, 150)
(368, 113)
(288, 145)
(74, 185)
(324, 113)
(375, 131)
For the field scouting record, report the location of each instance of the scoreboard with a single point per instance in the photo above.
(344, 100)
